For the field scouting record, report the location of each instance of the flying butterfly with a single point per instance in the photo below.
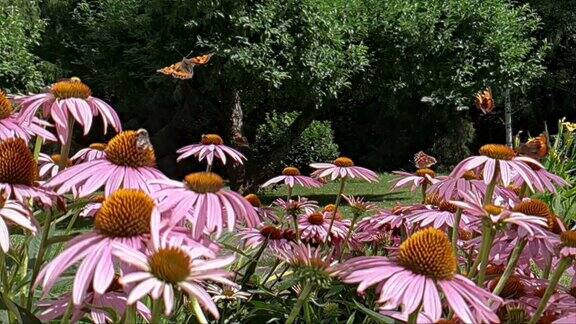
(536, 148)
(484, 101)
(423, 160)
(184, 69)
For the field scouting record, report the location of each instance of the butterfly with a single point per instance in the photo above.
(143, 140)
(423, 160)
(536, 148)
(484, 101)
(184, 69)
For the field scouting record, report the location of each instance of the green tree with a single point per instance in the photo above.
(20, 31)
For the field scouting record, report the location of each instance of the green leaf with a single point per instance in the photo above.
(379, 318)
(26, 315)
(351, 318)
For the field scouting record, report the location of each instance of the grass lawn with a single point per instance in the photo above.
(379, 192)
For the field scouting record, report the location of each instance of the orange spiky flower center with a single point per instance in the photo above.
(330, 208)
(204, 182)
(494, 269)
(316, 219)
(131, 149)
(425, 172)
(493, 209)
(98, 146)
(72, 88)
(125, 213)
(534, 207)
(291, 171)
(211, 139)
(498, 152)
(568, 238)
(170, 264)
(428, 252)
(57, 159)
(253, 200)
(17, 164)
(271, 232)
(343, 162)
(289, 235)
(5, 106)
(442, 204)
(513, 289)
(471, 175)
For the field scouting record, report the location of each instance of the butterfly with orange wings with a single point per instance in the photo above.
(423, 160)
(536, 148)
(484, 101)
(184, 69)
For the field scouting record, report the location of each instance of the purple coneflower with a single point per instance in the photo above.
(314, 228)
(70, 98)
(203, 201)
(343, 167)
(93, 304)
(254, 238)
(170, 265)
(298, 206)
(291, 176)
(49, 165)
(129, 163)
(422, 177)
(473, 206)
(93, 152)
(549, 180)
(12, 212)
(210, 146)
(310, 266)
(12, 125)
(424, 268)
(436, 212)
(19, 173)
(449, 188)
(500, 162)
(264, 212)
(226, 293)
(126, 218)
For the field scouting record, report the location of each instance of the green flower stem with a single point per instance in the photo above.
(457, 217)
(289, 194)
(37, 147)
(65, 148)
(197, 311)
(490, 188)
(301, 300)
(424, 188)
(489, 237)
(546, 273)
(349, 234)
(156, 310)
(337, 204)
(252, 267)
(514, 257)
(413, 317)
(562, 266)
(274, 267)
(39, 257)
(296, 228)
(68, 314)
(486, 229)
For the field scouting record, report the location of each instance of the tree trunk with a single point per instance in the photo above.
(508, 117)
(257, 173)
(237, 171)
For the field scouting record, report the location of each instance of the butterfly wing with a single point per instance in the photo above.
(179, 70)
(536, 148)
(484, 101)
(423, 160)
(202, 59)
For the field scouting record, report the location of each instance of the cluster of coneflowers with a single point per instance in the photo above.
(479, 248)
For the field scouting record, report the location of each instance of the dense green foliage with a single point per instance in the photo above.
(393, 77)
(315, 144)
(20, 31)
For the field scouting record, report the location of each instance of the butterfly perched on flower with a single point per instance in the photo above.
(423, 160)
(484, 101)
(184, 69)
(536, 148)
